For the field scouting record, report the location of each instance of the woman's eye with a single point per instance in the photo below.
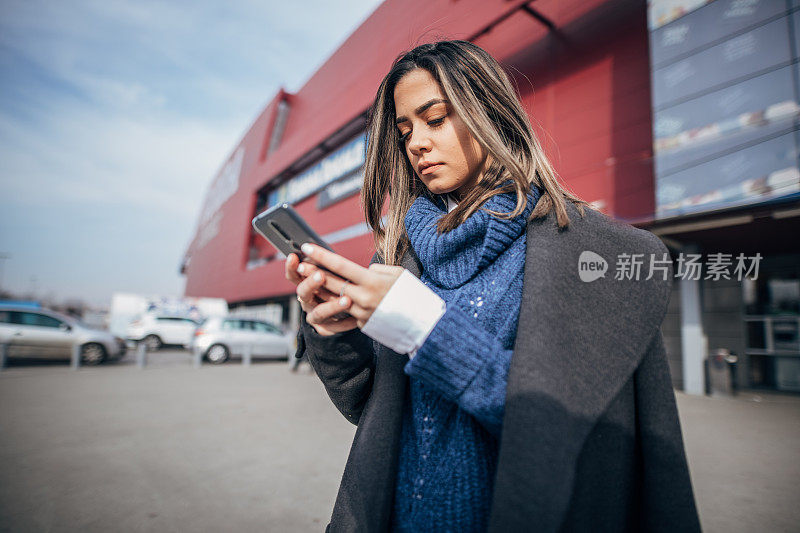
(433, 123)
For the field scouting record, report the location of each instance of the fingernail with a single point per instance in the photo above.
(307, 249)
(343, 301)
(301, 268)
(317, 277)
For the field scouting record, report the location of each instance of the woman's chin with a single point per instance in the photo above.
(437, 187)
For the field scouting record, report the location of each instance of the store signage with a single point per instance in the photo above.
(725, 114)
(709, 24)
(341, 162)
(341, 189)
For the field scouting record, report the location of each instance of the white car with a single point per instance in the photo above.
(218, 338)
(44, 334)
(158, 330)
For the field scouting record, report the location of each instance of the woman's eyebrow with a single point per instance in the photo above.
(422, 108)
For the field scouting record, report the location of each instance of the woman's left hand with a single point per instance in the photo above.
(365, 287)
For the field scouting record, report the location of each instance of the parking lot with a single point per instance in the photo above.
(175, 448)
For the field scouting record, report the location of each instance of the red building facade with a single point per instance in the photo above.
(581, 69)
(679, 116)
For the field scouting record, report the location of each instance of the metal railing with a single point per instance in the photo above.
(75, 357)
(141, 355)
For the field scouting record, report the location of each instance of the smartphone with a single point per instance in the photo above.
(286, 230)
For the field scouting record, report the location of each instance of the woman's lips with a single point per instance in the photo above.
(432, 168)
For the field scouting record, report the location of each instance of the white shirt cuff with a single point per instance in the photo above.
(406, 315)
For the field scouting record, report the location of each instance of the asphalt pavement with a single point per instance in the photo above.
(234, 448)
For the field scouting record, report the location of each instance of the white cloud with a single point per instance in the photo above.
(115, 116)
(86, 158)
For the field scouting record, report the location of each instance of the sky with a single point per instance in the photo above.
(116, 115)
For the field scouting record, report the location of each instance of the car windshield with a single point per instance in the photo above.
(263, 326)
(69, 319)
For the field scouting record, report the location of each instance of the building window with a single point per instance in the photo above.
(279, 126)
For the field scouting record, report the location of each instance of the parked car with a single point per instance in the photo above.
(45, 334)
(218, 338)
(158, 330)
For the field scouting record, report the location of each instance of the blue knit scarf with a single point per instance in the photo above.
(447, 459)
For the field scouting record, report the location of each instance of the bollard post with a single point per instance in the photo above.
(247, 355)
(141, 355)
(3, 355)
(75, 363)
(198, 357)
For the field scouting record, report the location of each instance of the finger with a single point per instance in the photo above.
(332, 284)
(307, 307)
(307, 289)
(315, 300)
(358, 312)
(340, 287)
(291, 268)
(335, 327)
(307, 270)
(336, 263)
(324, 312)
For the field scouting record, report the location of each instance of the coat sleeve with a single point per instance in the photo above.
(667, 498)
(344, 362)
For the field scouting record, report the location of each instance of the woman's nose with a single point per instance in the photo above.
(419, 143)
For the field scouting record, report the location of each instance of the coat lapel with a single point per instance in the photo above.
(577, 344)
(411, 262)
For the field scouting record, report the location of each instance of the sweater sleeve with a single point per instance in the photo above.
(466, 365)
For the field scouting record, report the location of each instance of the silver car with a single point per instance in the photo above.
(43, 334)
(219, 338)
(158, 330)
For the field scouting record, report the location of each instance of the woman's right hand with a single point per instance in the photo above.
(314, 297)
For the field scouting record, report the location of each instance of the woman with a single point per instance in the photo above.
(495, 384)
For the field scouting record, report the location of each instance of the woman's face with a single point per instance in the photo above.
(431, 132)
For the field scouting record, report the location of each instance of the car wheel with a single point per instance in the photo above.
(152, 343)
(217, 353)
(92, 354)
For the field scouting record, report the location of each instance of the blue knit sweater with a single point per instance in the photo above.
(453, 412)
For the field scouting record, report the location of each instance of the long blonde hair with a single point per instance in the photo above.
(483, 97)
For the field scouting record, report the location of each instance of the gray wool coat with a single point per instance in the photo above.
(591, 439)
